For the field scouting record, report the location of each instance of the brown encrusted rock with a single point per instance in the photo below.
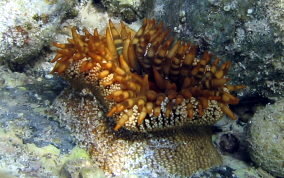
(177, 152)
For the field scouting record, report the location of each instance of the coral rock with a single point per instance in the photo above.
(266, 138)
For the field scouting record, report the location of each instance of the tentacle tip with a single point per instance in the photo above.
(117, 127)
(109, 114)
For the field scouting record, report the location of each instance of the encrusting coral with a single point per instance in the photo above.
(159, 95)
(147, 80)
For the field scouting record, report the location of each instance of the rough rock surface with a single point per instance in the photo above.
(128, 10)
(266, 138)
(27, 26)
(32, 144)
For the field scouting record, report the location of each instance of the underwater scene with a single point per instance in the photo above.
(142, 88)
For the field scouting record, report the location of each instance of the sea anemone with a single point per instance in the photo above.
(147, 80)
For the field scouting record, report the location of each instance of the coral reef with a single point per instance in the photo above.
(27, 131)
(147, 81)
(160, 154)
(266, 138)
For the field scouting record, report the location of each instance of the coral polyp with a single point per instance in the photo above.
(147, 80)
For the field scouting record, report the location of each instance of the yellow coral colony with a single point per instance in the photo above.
(147, 80)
